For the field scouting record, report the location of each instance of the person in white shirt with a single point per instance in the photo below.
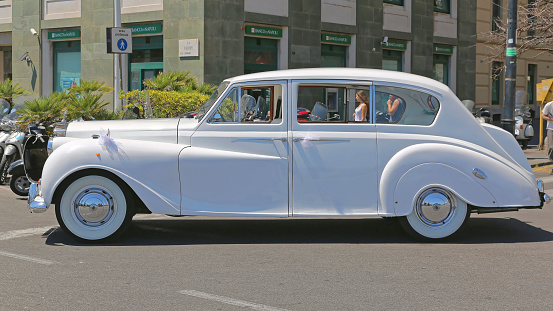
(361, 110)
(547, 114)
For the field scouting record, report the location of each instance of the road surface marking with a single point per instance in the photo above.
(230, 301)
(32, 259)
(23, 233)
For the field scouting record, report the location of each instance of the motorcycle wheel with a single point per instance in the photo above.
(19, 182)
(4, 165)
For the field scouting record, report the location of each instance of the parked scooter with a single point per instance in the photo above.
(19, 183)
(12, 153)
(524, 130)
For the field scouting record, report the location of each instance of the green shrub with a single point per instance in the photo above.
(166, 104)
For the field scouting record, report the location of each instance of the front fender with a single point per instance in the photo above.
(424, 165)
(149, 168)
(10, 149)
(14, 165)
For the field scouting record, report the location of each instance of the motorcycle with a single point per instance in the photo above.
(34, 147)
(524, 130)
(13, 148)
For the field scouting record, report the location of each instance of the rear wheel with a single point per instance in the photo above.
(437, 214)
(94, 208)
(19, 182)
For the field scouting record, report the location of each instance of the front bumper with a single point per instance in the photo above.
(35, 201)
(544, 197)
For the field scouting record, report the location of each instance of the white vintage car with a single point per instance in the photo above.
(286, 144)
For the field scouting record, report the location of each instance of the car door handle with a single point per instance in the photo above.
(282, 139)
(297, 139)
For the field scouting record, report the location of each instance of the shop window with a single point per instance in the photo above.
(146, 60)
(442, 6)
(260, 54)
(496, 83)
(67, 64)
(5, 62)
(333, 55)
(396, 2)
(531, 87)
(441, 68)
(392, 60)
(496, 13)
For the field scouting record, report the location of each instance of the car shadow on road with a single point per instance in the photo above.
(196, 231)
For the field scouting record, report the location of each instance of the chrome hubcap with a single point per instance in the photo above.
(435, 206)
(94, 206)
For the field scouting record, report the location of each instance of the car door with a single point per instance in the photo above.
(238, 160)
(334, 163)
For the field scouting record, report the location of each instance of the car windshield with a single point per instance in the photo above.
(209, 103)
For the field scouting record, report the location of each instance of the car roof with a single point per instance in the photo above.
(344, 74)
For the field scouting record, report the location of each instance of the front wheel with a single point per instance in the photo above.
(437, 214)
(95, 208)
(19, 182)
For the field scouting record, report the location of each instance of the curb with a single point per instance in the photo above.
(541, 164)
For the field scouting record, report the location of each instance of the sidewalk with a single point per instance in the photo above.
(537, 158)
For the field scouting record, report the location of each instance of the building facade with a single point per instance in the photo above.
(532, 67)
(49, 45)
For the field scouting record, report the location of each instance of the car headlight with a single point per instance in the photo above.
(60, 129)
(50, 145)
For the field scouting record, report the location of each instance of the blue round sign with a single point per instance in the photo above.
(122, 44)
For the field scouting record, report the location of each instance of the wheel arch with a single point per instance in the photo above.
(67, 180)
(415, 168)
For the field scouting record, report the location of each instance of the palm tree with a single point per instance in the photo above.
(43, 110)
(10, 92)
(85, 100)
(171, 81)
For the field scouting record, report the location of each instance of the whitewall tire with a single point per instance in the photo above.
(94, 208)
(437, 213)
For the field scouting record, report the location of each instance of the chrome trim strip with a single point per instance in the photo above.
(302, 138)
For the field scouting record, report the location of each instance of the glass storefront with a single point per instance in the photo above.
(260, 54)
(146, 60)
(5, 62)
(67, 64)
(392, 60)
(333, 55)
(441, 63)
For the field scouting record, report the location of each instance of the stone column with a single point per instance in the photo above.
(422, 27)
(26, 15)
(369, 34)
(304, 33)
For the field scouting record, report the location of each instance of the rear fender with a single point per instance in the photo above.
(506, 184)
(440, 175)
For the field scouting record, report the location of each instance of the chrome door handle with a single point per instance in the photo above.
(318, 139)
(282, 139)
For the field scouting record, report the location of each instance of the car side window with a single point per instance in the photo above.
(333, 104)
(395, 105)
(228, 110)
(249, 104)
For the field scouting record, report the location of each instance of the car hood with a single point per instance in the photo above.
(159, 130)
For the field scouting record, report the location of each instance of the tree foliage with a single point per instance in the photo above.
(534, 31)
(10, 92)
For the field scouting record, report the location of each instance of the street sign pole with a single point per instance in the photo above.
(511, 67)
(116, 58)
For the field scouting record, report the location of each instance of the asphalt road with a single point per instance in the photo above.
(499, 261)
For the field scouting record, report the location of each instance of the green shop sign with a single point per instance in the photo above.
(64, 34)
(263, 31)
(395, 45)
(145, 29)
(442, 49)
(338, 39)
